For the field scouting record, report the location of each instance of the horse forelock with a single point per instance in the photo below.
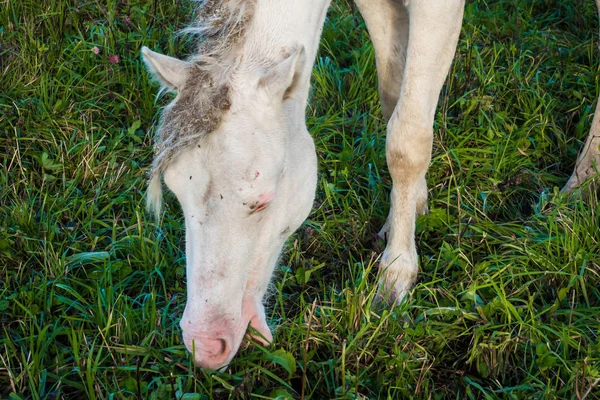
(220, 26)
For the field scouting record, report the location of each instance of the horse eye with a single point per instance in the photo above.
(259, 208)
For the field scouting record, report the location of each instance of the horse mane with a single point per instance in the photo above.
(219, 28)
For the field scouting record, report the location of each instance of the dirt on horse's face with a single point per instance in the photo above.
(244, 187)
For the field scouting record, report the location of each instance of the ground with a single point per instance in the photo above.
(507, 304)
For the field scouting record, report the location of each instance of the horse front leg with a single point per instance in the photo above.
(588, 162)
(422, 56)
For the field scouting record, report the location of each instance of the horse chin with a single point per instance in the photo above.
(254, 312)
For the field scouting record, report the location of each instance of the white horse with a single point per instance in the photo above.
(234, 148)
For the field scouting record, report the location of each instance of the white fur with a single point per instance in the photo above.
(262, 150)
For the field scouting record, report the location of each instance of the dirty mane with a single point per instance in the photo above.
(219, 28)
(220, 25)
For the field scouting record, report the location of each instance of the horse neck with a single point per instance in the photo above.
(282, 25)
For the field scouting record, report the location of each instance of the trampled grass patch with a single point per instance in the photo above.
(508, 299)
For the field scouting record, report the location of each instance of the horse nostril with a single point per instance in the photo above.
(223, 345)
(210, 352)
(212, 347)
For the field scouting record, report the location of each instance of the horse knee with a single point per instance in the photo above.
(408, 150)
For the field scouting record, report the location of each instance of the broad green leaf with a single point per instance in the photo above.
(285, 359)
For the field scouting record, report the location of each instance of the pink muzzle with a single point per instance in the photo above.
(214, 344)
(210, 352)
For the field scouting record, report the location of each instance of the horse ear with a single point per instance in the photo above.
(171, 72)
(281, 80)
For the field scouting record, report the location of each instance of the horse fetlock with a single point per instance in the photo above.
(384, 232)
(588, 164)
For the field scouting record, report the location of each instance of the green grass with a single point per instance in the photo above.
(508, 299)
